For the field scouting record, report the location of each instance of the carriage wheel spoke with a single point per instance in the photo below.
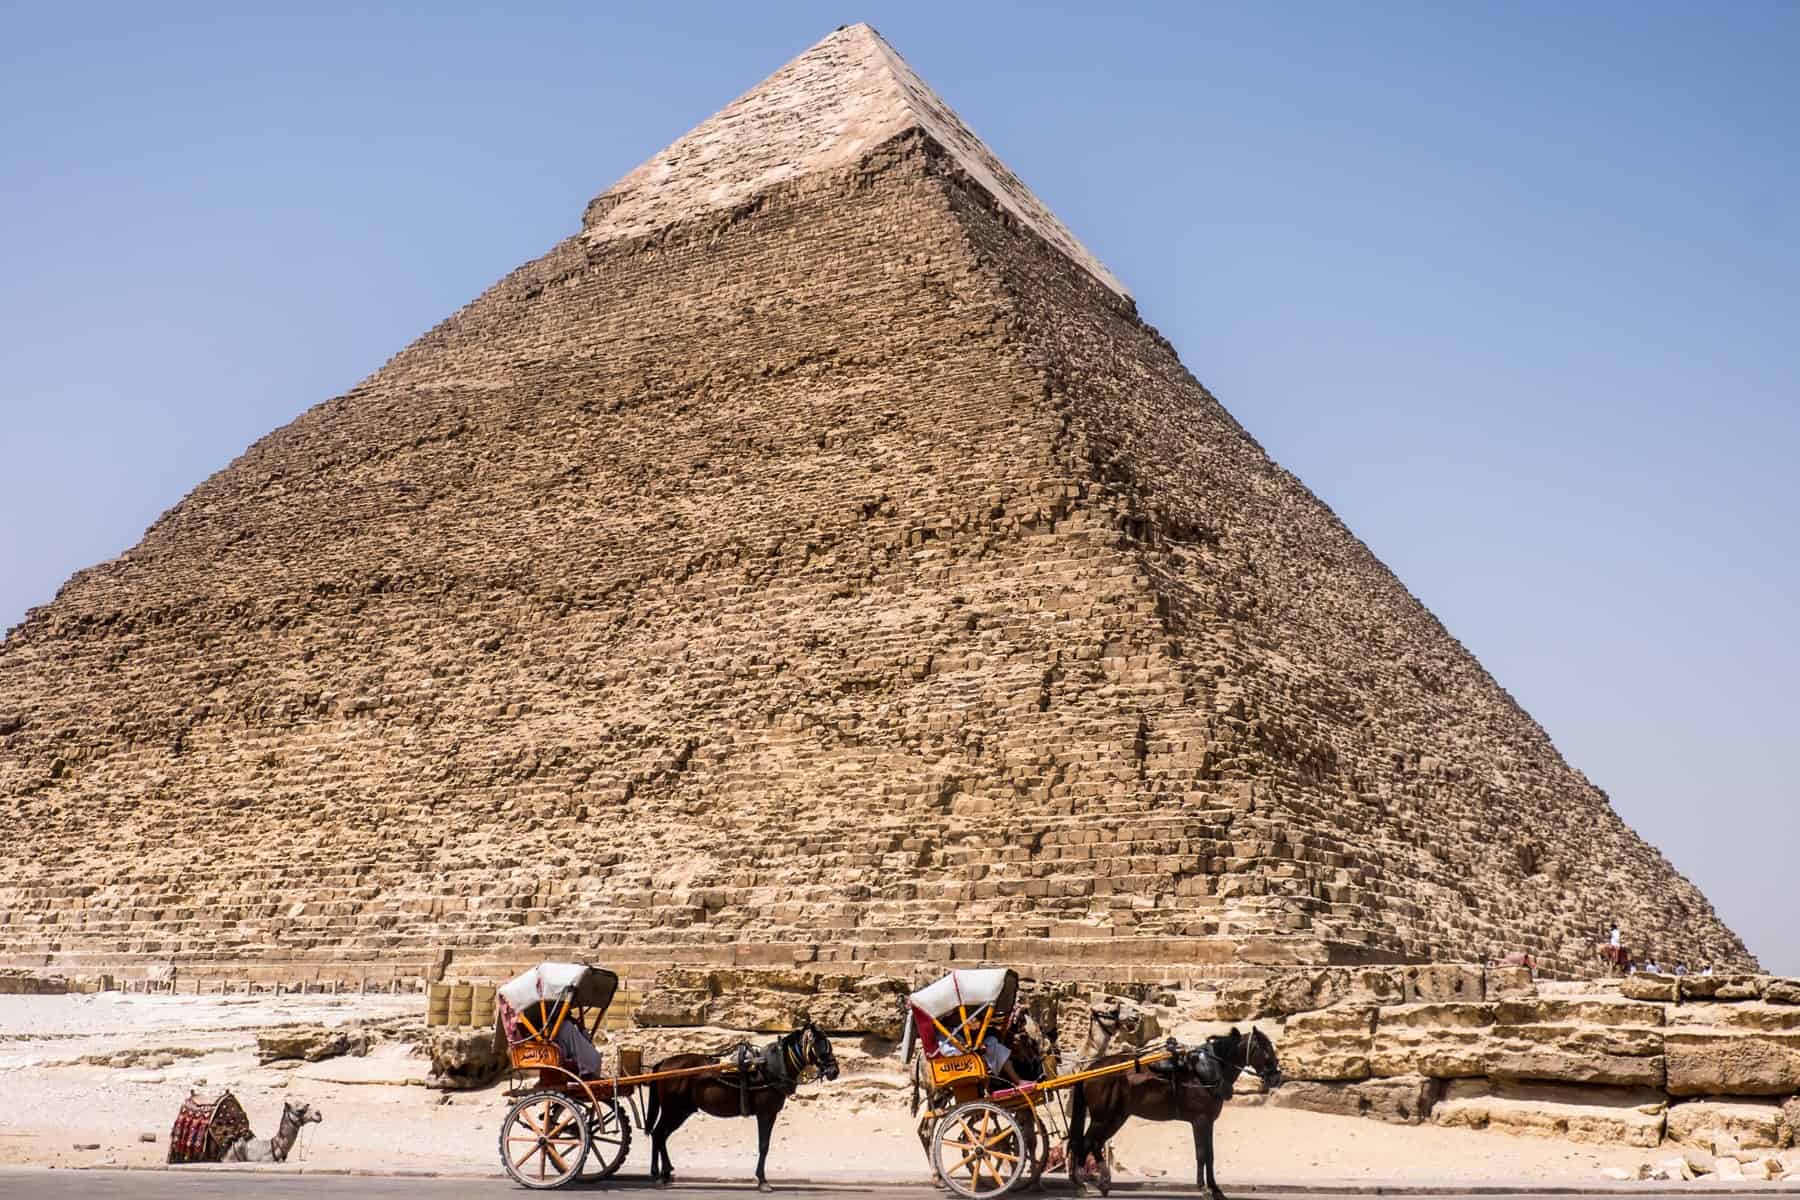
(559, 1125)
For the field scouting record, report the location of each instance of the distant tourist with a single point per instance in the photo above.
(1613, 939)
(1681, 968)
(1651, 968)
(1708, 970)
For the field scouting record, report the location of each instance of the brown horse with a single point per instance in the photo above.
(758, 1088)
(1616, 958)
(1192, 1086)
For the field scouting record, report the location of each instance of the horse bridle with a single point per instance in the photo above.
(795, 1058)
(1244, 1068)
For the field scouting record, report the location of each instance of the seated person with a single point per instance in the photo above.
(998, 1057)
(577, 1049)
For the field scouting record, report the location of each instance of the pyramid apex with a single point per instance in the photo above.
(847, 94)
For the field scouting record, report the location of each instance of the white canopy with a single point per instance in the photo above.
(971, 989)
(593, 986)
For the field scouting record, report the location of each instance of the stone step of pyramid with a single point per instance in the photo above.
(814, 558)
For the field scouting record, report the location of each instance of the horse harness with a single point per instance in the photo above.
(1202, 1065)
(776, 1066)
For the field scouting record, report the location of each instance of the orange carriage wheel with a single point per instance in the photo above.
(980, 1150)
(609, 1140)
(544, 1140)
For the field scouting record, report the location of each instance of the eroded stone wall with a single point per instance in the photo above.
(847, 578)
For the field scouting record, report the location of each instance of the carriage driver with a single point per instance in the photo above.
(577, 1049)
(998, 1057)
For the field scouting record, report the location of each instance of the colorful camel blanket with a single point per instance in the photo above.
(204, 1129)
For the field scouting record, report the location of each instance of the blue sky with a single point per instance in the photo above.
(1512, 287)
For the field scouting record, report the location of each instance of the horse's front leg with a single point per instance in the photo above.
(671, 1119)
(1199, 1155)
(765, 1125)
(1212, 1169)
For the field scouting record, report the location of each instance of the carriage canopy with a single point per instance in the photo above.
(549, 990)
(968, 989)
(951, 1015)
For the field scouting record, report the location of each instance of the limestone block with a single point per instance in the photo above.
(1713, 1062)
(1330, 1044)
(772, 1001)
(1439, 983)
(1579, 1011)
(1699, 1159)
(1571, 1041)
(1286, 992)
(1670, 1169)
(1614, 1116)
(1748, 1016)
(1781, 991)
(1405, 1100)
(1649, 987)
(465, 1058)
(1753, 1124)
(1445, 1041)
(1720, 987)
(311, 1043)
(1510, 983)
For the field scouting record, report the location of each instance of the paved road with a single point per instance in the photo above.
(179, 1185)
(217, 1185)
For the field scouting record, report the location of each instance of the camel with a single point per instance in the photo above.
(294, 1117)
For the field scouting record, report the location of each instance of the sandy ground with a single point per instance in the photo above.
(379, 1114)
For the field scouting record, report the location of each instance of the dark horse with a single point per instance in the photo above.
(758, 1087)
(1617, 958)
(1192, 1086)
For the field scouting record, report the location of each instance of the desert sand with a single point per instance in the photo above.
(379, 1113)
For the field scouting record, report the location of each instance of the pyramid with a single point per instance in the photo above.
(813, 561)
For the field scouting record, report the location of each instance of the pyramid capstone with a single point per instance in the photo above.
(814, 560)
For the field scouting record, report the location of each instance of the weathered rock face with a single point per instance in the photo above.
(26, 983)
(1578, 1042)
(815, 559)
(1583, 1064)
(465, 1058)
(1331, 1044)
(1750, 1049)
(1752, 1124)
(773, 1001)
(1446, 1041)
(1298, 991)
(1614, 1116)
(1405, 1100)
(311, 1043)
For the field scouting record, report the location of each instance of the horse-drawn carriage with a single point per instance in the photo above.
(572, 1120)
(985, 1135)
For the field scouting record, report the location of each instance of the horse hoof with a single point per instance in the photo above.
(764, 1187)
